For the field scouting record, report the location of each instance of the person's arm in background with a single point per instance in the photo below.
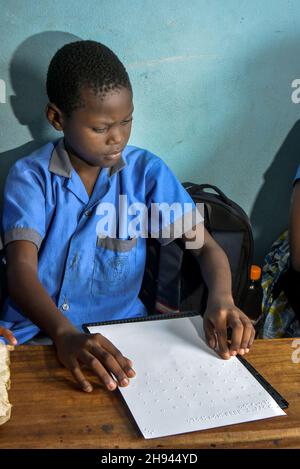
(294, 228)
(73, 347)
(8, 335)
(289, 281)
(221, 312)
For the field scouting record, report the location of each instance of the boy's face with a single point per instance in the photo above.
(101, 128)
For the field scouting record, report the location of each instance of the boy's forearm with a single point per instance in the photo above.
(213, 262)
(216, 272)
(28, 293)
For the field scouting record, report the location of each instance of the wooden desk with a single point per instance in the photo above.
(49, 412)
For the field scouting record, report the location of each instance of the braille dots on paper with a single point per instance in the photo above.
(195, 392)
(146, 431)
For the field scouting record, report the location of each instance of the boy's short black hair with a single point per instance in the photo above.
(83, 64)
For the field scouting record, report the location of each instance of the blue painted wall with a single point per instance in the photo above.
(212, 88)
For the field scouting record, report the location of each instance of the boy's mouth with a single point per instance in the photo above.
(113, 156)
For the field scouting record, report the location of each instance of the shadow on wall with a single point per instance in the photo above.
(270, 73)
(270, 211)
(28, 70)
(260, 129)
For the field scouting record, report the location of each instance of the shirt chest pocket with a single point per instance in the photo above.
(114, 265)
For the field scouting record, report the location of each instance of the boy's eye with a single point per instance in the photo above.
(99, 131)
(127, 121)
(104, 129)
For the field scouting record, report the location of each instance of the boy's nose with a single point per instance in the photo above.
(114, 137)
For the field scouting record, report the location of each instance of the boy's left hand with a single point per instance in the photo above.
(221, 314)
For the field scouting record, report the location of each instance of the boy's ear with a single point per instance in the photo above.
(54, 116)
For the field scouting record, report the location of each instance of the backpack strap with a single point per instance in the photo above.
(169, 278)
(161, 286)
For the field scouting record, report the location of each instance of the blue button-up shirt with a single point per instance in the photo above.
(89, 277)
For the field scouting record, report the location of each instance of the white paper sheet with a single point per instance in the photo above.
(181, 385)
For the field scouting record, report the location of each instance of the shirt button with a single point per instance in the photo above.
(88, 213)
(65, 307)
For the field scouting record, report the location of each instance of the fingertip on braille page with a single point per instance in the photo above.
(111, 385)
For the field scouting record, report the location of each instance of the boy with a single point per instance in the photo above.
(61, 272)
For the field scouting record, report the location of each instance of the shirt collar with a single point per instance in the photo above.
(61, 165)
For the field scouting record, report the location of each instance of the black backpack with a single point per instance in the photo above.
(172, 280)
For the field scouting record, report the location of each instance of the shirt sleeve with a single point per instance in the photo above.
(297, 176)
(23, 216)
(171, 210)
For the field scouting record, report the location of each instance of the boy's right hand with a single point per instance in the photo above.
(98, 354)
(8, 335)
